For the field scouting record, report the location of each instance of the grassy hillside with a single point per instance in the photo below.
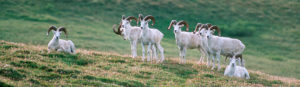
(269, 29)
(27, 65)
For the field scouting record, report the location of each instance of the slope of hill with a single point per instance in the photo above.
(269, 29)
(28, 65)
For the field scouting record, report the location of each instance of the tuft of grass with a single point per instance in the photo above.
(69, 58)
(255, 79)
(129, 83)
(34, 81)
(22, 52)
(208, 75)
(2, 84)
(181, 70)
(46, 68)
(12, 74)
(117, 61)
(6, 47)
(28, 64)
(63, 71)
(143, 74)
(52, 76)
(277, 59)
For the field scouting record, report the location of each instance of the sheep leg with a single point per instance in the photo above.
(148, 51)
(132, 49)
(213, 60)
(218, 59)
(154, 52)
(208, 59)
(203, 54)
(161, 49)
(181, 55)
(201, 57)
(143, 51)
(184, 59)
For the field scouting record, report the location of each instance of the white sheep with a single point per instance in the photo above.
(131, 33)
(186, 40)
(151, 36)
(222, 45)
(201, 28)
(58, 44)
(233, 70)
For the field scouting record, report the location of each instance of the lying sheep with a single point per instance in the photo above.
(233, 70)
(58, 44)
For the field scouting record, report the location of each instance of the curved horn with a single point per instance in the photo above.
(64, 30)
(186, 25)
(150, 17)
(51, 28)
(197, 27)
(131, 17)
(116, 31)
(208, 25)
(172, 22)
(141, 17)
(123, 17)
(216, 28)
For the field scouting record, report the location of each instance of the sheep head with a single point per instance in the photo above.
(57, 31)
(144, 21)
(126, 21)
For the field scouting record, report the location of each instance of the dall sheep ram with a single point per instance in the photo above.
(151, 36)
(131, 33)
(58, 44)
(233, 70)
(222, 46)
(186, 40)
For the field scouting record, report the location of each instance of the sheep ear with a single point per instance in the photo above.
(123, 17)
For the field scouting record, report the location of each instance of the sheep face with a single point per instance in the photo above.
(177, 28)
(232, 62)
(144, 24)
(56, 34)
(124, 26)
(202, 32)
(125, 23)
(123, 34)
(209, 33)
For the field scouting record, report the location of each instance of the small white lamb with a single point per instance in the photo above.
(233, 70)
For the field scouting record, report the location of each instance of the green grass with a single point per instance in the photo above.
(110, 70)
(11, 73)
(269, 29)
